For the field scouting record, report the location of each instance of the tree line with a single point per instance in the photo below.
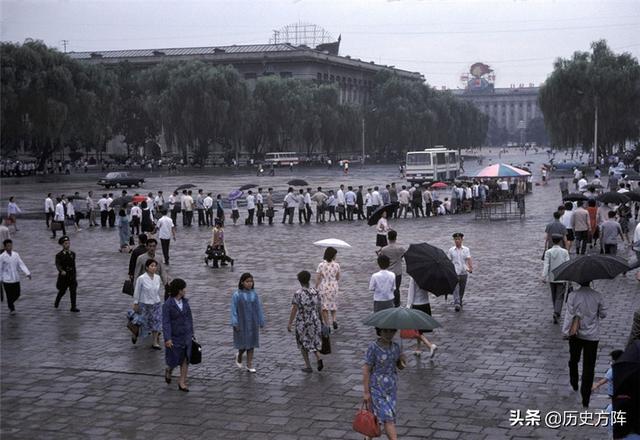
(588, 83)
(52, 103)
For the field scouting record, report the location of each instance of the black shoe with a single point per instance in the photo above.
(56, 304)
(232, 261)
(320, 365)
(555, 318)
(75, 310)
(335, 325)
(185, 389)
(167, 375)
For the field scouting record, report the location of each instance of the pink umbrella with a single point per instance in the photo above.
(502, 170)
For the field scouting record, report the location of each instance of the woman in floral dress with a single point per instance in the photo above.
(380, 379)
(328, 275)
(306, 310)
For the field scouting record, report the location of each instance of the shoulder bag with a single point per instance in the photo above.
(127, 287)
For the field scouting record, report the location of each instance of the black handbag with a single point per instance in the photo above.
(127, 287)
(196, 352)
(326, 345)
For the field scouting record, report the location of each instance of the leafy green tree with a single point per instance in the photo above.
(588, 82)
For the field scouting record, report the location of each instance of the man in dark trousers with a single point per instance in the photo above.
(66, 265)
(141, 249)
(360, 203)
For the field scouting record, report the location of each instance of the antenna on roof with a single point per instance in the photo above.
(64, 45)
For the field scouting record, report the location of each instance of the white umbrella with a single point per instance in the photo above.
(333, 242)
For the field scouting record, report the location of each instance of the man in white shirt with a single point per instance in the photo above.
(49, 209)
(582, 184)
(341, 203)
(136, 219)
(427, 199)
(111, 211)
(9, 276)
(307, 205)
(376, 199)
(187, 207)
(302, 212)
(382, 284)
(350, 202)
(368, 200)
(200, 208)
(166, 229)
(158, 204)
(91, 210)
(460, 256)
(207, 203)
(103, 204)
(260, 214)
(403, 198)
(251, 207)
(58, 218)
(290, 203)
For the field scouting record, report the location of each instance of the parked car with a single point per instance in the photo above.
(119, 179)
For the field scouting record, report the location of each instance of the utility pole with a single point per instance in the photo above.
(595, 134)
(363, 140)
(64, 44)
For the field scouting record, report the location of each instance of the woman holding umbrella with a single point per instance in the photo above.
(328, 275)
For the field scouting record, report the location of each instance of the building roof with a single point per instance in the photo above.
(497, 92)
(181, 51)
(237, 53)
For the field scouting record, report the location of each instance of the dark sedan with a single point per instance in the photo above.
(119, 179)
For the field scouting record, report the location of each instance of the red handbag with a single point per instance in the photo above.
(409, 334)
(366, 422)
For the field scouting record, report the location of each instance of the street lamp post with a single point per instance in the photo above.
(363, 134)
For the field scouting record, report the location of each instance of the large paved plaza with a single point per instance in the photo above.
(77, 376)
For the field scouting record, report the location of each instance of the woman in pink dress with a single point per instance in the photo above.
(327, 277)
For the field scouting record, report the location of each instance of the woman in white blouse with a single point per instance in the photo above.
(418, 298)
(382, 228)
(146, 301)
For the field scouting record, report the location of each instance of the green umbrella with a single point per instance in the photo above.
(402, 319)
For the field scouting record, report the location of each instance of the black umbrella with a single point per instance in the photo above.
(634, 196)
(247, 186)
(626, 386)
(628, 364)
(377, 214)
(297, 182)
(631, 174)
(122, 201)
(431, 269)
(613, 197)
(574, 197)
(187, 186)
(591, 267)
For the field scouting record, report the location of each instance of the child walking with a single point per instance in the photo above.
(247, 318)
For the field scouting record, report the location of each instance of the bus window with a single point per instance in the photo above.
(441, 159)
(419, 159)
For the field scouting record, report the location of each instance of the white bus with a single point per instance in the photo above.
(282, 158)
(432, 164)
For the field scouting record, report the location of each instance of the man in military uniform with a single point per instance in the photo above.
(66, 265)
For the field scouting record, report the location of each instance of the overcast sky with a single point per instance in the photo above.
(519, 39)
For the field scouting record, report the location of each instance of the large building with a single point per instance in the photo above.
(509, 108)
(322, 64)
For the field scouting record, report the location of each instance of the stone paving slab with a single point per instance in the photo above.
(78, 376)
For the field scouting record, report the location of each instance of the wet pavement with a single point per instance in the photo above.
(77, 376)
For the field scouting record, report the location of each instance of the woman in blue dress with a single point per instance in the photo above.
(177, 329)
(380, 379)
(124, 232)
(247, 318)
